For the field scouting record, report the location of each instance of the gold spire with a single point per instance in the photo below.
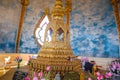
(68, 9)
(46, 10)
(25, 2)
(58, 10)
(69, 5)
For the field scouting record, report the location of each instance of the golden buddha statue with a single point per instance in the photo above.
(56, 51)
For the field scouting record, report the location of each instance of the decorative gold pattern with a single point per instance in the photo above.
(24, 4)
(57, 53)
(58, 10)
(46, 13)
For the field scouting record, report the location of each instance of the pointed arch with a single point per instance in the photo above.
(59, 34)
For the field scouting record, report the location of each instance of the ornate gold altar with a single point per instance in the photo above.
(56, 51)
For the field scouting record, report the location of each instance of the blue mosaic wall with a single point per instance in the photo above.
(93, 28)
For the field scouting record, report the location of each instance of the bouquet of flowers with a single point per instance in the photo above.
(115, 67)
(106, 76)
(40, 75)
(18, 60)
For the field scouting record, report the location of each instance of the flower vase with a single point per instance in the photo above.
(18, 66)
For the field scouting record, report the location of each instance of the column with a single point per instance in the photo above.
(115, 4)
(24, 4)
